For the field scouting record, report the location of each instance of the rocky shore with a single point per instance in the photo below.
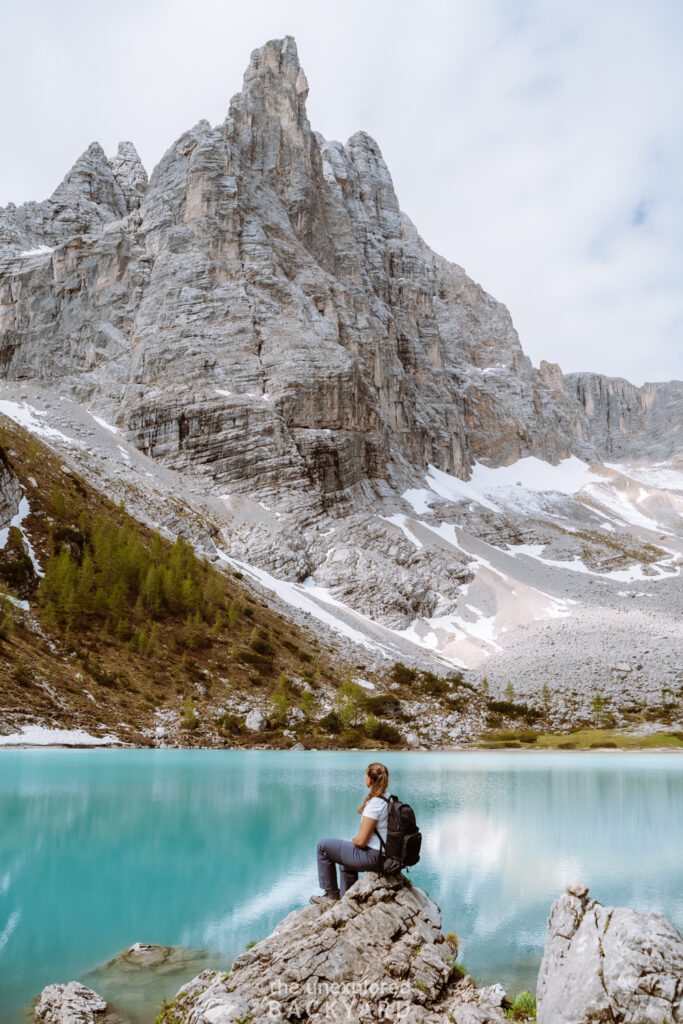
(380, 954)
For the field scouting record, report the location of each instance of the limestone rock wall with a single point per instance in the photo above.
(624, 421)
(265, 284)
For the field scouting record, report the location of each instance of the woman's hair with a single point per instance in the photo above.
(379, 777)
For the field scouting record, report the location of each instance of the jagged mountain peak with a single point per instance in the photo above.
(91, 179)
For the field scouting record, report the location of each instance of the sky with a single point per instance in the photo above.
(537, 143)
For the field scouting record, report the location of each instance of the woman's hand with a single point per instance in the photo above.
(367, 827)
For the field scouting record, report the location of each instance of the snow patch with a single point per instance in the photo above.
(29, 418)
(300, 596)
(40, 250)
(103, 423)
(17, 520)
(40, 736)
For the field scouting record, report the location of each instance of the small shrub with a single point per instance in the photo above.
(258, 641)
(279, 707)
(330, 723)
(230, 723)
(21, 675)
(523, 1007)
(263, 662)
(403, 675)
(434, 684)
(349, 704)
(383, 704)
(382, 731)
(598, 707)
(512, 710)
(308, 704)
(109, 679)
(189, 720)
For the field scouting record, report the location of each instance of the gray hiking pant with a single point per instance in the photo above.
(351, 860)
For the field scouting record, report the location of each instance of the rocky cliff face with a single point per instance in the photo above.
(623, 421)
(269, 286)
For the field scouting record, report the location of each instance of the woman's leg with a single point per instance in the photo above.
(351, 859)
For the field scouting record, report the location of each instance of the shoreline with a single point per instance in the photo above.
(351, 750)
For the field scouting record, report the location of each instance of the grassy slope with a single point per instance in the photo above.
(84, 675)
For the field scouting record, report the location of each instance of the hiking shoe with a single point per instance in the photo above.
(326, 898)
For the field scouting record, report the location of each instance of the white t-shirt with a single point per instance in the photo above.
(379, 810)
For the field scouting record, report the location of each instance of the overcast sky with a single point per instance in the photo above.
(537, 143)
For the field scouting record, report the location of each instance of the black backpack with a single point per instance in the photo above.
(404, 839)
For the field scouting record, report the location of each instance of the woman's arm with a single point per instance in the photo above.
(367, 827)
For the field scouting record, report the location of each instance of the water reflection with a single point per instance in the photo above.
(100, 849)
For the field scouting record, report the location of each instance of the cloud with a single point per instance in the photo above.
(537, 143)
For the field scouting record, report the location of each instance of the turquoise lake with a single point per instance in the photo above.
(210, 849)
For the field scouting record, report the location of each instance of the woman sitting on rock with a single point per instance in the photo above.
(363, 853)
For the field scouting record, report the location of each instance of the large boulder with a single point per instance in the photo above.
(74, 1004)
(606, 965)
(377, 954)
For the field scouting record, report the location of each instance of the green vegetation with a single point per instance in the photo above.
(511, 709)
(170, 1012)
(103, 572)
(523, 1007)
(308, 704)
(189, 720)
(590, 739)
(280, 702)
(129, 621)
(403, 675)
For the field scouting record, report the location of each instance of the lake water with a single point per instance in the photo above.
(210, 849)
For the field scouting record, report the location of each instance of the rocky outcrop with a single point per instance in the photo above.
(94, 193)
(623, 421)
(378, 954)
(609, 965)
(74, 1004)
(10, 491)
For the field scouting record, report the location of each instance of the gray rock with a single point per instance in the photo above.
(624, 421)
(74, 1004)
(378, 954)
(10, 491)
(130, 175)
(256, 721)
(607, 964)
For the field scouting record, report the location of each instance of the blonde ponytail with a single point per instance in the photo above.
(379, 777)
